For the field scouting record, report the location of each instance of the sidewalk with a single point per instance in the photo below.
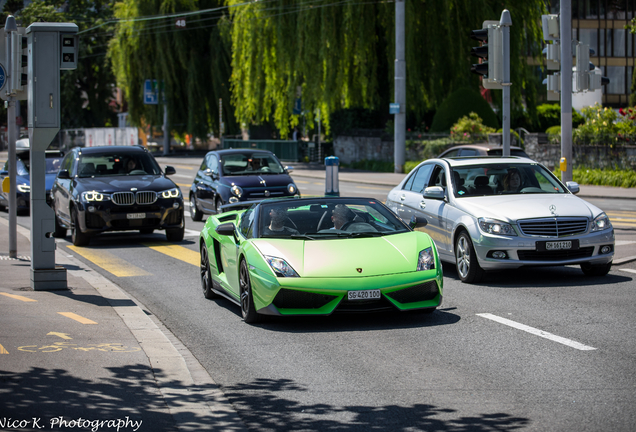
(90, 358)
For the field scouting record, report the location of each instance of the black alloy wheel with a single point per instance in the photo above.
(77, 236)
(195, 213)
(206, 274)
(176, 234)
(247, 300)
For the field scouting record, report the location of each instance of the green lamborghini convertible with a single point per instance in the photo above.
(316, 256)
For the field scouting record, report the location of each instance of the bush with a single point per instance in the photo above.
(345, 120)
(470, 128)
(549, 115)
(371, 165)
(461, 103)
(598, 177)
(604, 126)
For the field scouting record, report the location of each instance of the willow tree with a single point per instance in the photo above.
(341, 54)
(191, 62)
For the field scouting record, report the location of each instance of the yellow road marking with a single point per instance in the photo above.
(77, 317)
(110, 262)
(184, 185)
(187, 167)
(62, 335)
(3, 351)
(177, 252)
(301, 181)
(17, 297)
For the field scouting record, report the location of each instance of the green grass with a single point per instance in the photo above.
(598, 177)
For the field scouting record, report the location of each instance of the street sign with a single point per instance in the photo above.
(180, 23)
(151, 92)
(3, 77)
(394, 108)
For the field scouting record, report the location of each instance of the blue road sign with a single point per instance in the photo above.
(151, 92)
(3, 77)
(394, 108)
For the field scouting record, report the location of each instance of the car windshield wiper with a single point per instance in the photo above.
(366, 234)
(302, 236)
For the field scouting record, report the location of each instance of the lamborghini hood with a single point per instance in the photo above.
(336, 258)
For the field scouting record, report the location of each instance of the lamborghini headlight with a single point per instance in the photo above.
(24, 188)
(426, 260)
(171, 193)
(494, 226)
(91, 196)
(601, 222)
(237, 191)
(280, 267)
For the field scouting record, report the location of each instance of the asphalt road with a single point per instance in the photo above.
(531, 349)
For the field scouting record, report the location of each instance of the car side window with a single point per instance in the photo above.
(213, 163)
(468, 152)
(67, 163)
(204, 164)
(451, 153)
(420, 178)
(438, 178)
(246, 226)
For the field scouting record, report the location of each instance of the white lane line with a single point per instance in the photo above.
(628, 270)
(537, 332)
(191, 233)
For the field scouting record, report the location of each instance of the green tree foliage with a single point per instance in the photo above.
(460, 103)
(192, 62)
(341, 55)
(549, 115)
(604, 126)
(470, 128)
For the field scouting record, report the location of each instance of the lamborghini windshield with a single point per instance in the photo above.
(321, 218)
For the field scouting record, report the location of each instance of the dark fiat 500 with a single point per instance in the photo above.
(231, 176)
(115, 188)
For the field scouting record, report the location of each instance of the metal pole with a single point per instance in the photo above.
(166, 131)
(399, 150)
(505, 23)
(566, 88)
(9, 28)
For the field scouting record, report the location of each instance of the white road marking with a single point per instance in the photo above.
(624, 242)
(628, 270)
(537, 332)
(191, 233)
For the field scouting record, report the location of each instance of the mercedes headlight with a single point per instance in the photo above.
(601, 222)
(171, 193)
(426, 260)
(24, 188)
(91, 196)
(280, 267)
(292, 189)
(237, 191)
(494, 226)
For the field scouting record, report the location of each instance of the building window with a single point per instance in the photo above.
(630, 78)
(616, 74)
(589, 37)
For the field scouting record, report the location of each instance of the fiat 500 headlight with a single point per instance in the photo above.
(171, 193)
(601, 222)
(281, 267)
(426, 260)
(237, 191)
(24, 188)
(494, 226)
(91, 196)
(292, 189)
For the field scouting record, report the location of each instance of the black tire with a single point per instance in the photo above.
(206, 274)
(247, 301)
(176, 234)
(217, 206)
(468, 268)
(195, 213)
(77, 236)
(596, 270)
(146, 231)
(60, 231)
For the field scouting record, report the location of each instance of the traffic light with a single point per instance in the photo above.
(586, 77)
(490, 53)
(19, 63)
(552, 51)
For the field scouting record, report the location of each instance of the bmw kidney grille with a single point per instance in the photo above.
(130, 198)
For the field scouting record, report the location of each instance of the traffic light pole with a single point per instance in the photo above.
(566, 89)
(399, 151)
(505, 24)
(10, 28)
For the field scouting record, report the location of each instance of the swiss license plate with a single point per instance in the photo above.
(364, 295)
(136, 215)
(558, 245)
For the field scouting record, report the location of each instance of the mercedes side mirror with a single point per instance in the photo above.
(573, 187)
(416, 222)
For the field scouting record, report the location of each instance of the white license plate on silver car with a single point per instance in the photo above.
(559, 245)
(136, 215)
(363, 295)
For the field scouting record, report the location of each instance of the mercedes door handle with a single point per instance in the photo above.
(403, 197)
(422, 204)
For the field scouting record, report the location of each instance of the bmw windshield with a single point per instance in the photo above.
(504, 179)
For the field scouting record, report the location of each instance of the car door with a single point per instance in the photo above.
(205, 183)
(407, 200)
(435, 210)
(62, 190)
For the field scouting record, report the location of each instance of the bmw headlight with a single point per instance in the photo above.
(91, 196)
(426, 260)
(292, 189)
(171, 193)
(494, 226)
(280, 267)
(24, 188)
(237, 191)
(601, 222)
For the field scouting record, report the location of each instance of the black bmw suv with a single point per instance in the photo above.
(115, 188)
